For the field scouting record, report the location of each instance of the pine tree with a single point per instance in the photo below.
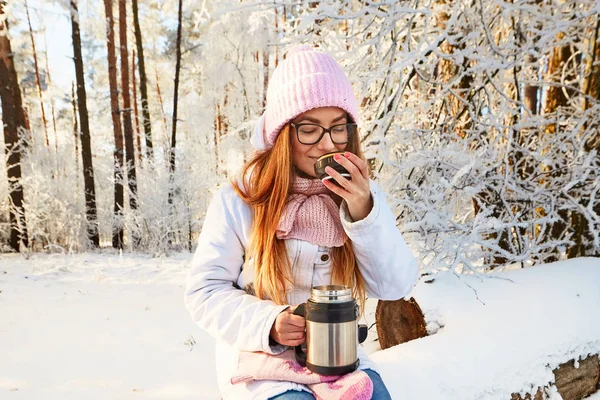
(86, 140)
(117, 239)
(13, 118)
(143, 80)
(127, 125)
(37, 76)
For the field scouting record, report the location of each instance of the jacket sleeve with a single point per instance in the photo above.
(385, 261)
(212, 297)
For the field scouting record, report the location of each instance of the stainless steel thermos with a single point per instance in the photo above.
(332, 331)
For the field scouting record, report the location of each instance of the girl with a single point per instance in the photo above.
(277, 231)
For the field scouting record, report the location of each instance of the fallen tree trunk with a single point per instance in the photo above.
(573, 383)
(400, 321)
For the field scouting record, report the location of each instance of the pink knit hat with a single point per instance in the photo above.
(306, 79)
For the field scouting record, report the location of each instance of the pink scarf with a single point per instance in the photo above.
(312, 215)
(262, 366)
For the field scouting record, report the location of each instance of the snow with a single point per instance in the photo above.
(100, 326)
(104, 325)
(501, 333)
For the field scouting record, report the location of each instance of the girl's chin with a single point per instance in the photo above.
(303, 174)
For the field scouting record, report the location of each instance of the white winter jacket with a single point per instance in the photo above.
(240, 321)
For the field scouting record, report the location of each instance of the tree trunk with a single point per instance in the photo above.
(136, 115)
(46, 58)
(591, 85)
(556, 98)
(531, 92)
(37, 75)
(52, 104)
(160, 101)
(570, 381)
(265, 77)
(13, 119)
(28, 134)
(218, 120)
(399, 321)
(283, 25)
(89, 184)
(276, 47)
(520, 161)
(176, 92)
(591, 92)
(127, 125)
(592, 88)
(216, 135)
(224, 120)
(117, 239)
(446, 72)
(531, 99)
(173, 146)
(75, 127)
(27, 125)
(143, 81)
(52, 110)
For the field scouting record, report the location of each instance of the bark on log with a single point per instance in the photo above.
(539, 395)
(399, 321)
(572, 383)
(577, 383)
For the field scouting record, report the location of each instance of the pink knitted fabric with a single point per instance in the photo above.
(306, 79)
(283, 367)
(311, 215)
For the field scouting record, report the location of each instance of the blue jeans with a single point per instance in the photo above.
(380, 392)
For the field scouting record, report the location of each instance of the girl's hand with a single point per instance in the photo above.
(288, 329)
(357, 191)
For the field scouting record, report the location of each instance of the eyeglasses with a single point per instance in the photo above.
(313, 133)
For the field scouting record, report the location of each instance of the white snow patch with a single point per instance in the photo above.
(103, 325)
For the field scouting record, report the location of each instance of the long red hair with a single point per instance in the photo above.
(266, 182)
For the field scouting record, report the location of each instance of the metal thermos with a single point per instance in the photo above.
(332, 331)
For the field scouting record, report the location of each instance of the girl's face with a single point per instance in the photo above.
(304, 156)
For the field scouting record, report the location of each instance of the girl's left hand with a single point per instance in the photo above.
(356, 191)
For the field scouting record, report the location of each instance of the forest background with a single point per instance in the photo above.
(480, 119)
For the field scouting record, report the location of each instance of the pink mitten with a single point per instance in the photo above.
(283, 367)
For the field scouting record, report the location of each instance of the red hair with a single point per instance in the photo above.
(267, 179)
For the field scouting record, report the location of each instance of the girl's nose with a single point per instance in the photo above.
(326, 144)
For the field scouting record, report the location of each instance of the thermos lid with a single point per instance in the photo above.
(331, 294)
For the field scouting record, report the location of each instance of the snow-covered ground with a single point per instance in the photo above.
(500, 333)
(100, 326)
(109, 326)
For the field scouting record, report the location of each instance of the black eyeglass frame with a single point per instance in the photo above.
(326, 130)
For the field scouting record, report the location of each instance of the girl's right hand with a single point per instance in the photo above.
(288, 329)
